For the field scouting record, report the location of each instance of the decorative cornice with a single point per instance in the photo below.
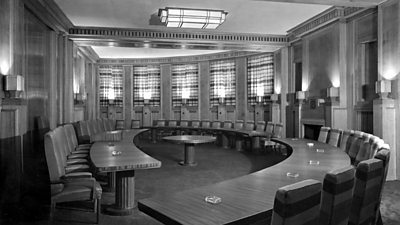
(181, 59)
(173, 39)
(89, 53)
(49, 12)
(327, 17)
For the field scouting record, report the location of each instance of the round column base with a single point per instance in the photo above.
(113, 210)
(183, 163)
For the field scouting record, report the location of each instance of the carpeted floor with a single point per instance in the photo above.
(215, 164)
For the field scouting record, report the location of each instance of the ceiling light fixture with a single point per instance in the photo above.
(192, 18)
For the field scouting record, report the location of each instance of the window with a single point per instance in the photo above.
(146, 85)
(111, 88)
(223, 82)
(185, 85)
(260, 77)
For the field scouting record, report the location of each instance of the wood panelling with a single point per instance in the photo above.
(204, 92)
(166, 104)
(128, 95)
(241, 89)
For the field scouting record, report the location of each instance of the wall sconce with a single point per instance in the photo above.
(300, 95)
(383, 88)
(14, 85)
(274, 97)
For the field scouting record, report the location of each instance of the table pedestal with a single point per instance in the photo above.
(255, 142)
(189, 156)
(225, 141)
(111, 181)
(124, 194)
(239, 144)
(154, 135)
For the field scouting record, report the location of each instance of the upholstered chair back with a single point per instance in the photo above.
(384, 155)
(239, 124)
(205, 124)
(344, 139)
(195, 124)
(297, 204)
(172, 123)
(250, 125)
(369, 175)
(68, 138)
(71, 132)
(184, 123)
(228, 124)
(278, 129)
(99, 126)
(260, 126)
(53, 158)
(216, 124)
(160, 123)
(135, 124)
(334, 136)
(269, 129)
(376, 144)
(355, 147)
(323, 134)
(120, 125)
(364, 152)
(337, 196)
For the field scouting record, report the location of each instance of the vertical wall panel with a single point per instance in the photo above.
(241, 89)
(204, 92)
(166, 91)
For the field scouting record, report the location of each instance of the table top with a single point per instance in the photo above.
(251, 133)
(190, 139)
(127, 157)
(250, 196)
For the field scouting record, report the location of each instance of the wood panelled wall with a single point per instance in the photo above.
(241, 111)
(33, 44)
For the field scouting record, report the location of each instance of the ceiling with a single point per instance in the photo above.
(244, 16)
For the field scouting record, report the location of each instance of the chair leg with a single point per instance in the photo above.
(98, 210)
(52, 209)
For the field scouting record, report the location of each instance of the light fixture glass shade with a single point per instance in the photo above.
(192, 18)
(300, 95)
(383, 88)
(332, 92)
(14, 83)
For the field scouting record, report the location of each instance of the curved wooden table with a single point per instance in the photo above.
(248, 198)
(122, 158)
(189, 141)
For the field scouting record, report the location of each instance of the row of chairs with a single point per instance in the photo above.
(347, 196)
(357, 144)
(71, 177)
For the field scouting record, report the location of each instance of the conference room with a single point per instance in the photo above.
(199, 112)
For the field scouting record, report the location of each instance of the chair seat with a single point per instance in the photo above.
(72, 193)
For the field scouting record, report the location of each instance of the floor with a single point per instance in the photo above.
(169, 179)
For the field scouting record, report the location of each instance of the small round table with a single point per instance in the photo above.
(189, 141)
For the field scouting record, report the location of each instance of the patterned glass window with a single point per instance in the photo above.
(111, 85)
(260, 76)
(223, 82)
(185, 84)
(146, 84)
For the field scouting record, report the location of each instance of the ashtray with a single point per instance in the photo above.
(115, 153)
(313, 162)
(310, 144)
(290, 174)
(319, 150)
(213, 199)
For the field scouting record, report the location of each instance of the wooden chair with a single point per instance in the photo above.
(226, 142)
(323, 134)
(345, 137)
(194, 125)
(363, 153)
(355, 146)
(297, 204)
(135, 124)
(278, 130)
(269, 128)
(384, 155)
(369, 175)
(337, 196)
(260, 126)
(183, 127)
(334, 136)
(120, 125)
(238, 142)
(205, 125)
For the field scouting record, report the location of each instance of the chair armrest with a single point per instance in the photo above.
(76, 168)
(77, 161)
(77, 175)
(77, 156)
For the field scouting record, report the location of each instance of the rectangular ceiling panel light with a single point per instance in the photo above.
(192, 18)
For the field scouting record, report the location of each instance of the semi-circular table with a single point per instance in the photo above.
(189, 141)
(122, 158)
(248, 198)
